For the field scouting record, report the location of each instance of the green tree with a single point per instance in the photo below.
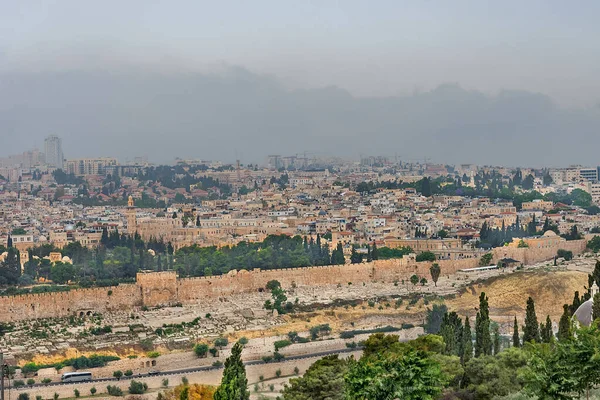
(414, 280)
(564, 325)
(531, 330)
(234, 381)
(355, 258)
(496, 340)
(483, 340)
(596, 307)
(435, 272)
(516, 340)
(201, 349)
(10, 269)
(434, 318)
(323, 380)
(425, 256)
(409, 375)
(467, 342)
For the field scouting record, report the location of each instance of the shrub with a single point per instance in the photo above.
(221, 342)
(23, 396)
(136, 387)
(566, 254)
(351, 345)
(118, 374)
(76, 392)
(267, 359)
(165, 382)
(278, 373)
(93, 390)
(277, 356)
(114, 390)
(56, 396)
(296, 371)
(128, 372)
(280, 344)
(38, 397)
(18, 383)
(213, 351)
(346, 335)
(319, 330)
(271, 387)
(217, 364)
(201, 349)
(30, 382)
(243, 341)
(152, 354)
(261, 378)
(185, 381)
(46, 381)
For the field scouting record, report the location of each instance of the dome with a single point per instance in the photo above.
(584, 313)
(549, 233)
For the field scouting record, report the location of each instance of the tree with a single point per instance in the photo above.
(414, 280)
(374, 252)
(546, 330)
(467, 343)
(234, 381)
(355, 258)
(425, 256)
(136, 387)
(596, 307)
(323, 380)
(564, 325)
(516, 340)
(496, 339)
(435, 316)
(483, 340)
(10, 269)
(408, 375)
(531, 330)
(435, 271)
(201, 349)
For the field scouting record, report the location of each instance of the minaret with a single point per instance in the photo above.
(131, 220)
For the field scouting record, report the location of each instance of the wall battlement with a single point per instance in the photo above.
(162, 288)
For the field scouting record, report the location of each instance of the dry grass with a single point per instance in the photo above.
(508, 294)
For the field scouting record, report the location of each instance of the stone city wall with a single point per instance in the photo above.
(73, 302)
(162, 288)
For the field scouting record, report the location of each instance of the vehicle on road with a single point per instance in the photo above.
(76, 377)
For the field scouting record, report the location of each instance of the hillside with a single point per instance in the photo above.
(508, 294)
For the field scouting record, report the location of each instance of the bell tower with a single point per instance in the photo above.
(131, 219)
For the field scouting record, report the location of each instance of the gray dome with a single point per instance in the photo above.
(584, 313)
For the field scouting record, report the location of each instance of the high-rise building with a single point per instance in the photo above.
(54, 153)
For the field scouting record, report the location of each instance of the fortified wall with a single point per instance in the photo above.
(163, 288)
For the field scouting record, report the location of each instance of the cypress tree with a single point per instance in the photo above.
(596, 307)
(234, 381)
(564, 325)
(483, 340)
(496, 339)
(374, 253)
(549, 333)
(467, 343)
(516, 341)
(531, 331)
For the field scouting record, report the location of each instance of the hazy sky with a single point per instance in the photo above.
(373, 48)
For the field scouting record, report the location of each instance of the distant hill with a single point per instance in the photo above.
(212, 116)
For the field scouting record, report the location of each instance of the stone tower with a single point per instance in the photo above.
(131, 219)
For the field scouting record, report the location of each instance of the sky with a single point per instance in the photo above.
(371, 48)
(226, 79)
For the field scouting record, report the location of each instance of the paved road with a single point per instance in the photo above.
(199, 369)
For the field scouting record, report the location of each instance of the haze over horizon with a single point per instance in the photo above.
(506, 83)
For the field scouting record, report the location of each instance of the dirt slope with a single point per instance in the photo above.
(508, 294)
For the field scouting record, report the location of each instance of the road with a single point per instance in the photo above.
(191, 370)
